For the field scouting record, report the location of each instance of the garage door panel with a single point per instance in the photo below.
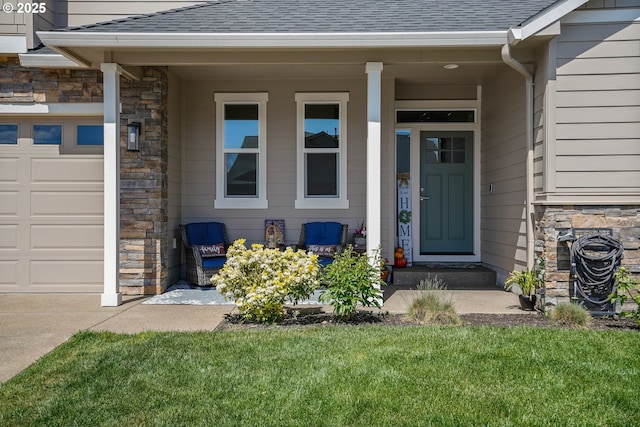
(66, 170)
(9, 203)
(9, 272)
(66, 204)
(66, 237)
(66, 273)
(8, 236)
(9, 170)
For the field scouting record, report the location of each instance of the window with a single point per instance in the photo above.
(241, 144)
(436, 116)
(90, 135)
(322, 151)
(47, 134)
(8, 134)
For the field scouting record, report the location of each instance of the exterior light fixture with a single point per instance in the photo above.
(451, 66)
(133, 136)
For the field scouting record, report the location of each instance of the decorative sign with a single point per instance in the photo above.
(404, 216)
(273, 233)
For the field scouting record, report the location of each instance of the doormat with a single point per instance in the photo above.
(182, 293)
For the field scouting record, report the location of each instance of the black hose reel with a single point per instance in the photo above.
(594, 261)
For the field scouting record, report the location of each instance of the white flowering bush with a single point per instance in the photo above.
(262, 280)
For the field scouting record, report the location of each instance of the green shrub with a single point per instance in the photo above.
(261, 281)
(627, 288)
(572, 315)
(352, 279)
(432, 305)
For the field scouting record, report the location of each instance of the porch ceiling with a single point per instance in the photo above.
(406, 74)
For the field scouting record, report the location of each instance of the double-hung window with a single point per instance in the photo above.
(241, 150)
(322, 151)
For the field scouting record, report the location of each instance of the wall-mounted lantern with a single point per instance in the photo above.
(133, 136)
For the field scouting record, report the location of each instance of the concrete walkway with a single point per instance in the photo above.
(33, 325)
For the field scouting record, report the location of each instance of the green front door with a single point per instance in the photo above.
(446, 193)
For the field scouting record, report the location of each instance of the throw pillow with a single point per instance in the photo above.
(322, 250)
(212, 250)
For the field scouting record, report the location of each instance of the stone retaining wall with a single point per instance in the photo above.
(552, 221)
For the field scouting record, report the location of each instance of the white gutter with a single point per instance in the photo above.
(528, 76)
(271, 40)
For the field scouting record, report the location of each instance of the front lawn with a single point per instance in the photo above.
(333, 376)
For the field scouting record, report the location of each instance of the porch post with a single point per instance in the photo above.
(374, 147)
(111, 296)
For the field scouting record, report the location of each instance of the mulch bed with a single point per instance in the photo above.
(297, 319)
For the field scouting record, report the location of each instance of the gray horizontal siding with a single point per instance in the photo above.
(82, 12)
(503, 164)
(198, 175)
(598, 108)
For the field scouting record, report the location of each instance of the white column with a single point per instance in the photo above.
(374, 148)
(111, 296)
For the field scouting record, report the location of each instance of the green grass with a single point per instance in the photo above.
(333, 376)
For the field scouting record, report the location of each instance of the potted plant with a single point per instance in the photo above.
(384, 270)
(528, 281)
(360, 236)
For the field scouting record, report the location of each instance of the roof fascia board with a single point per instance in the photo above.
(58, 39)
(541, 21)
(52, 60)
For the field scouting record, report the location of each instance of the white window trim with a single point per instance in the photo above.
(221, 201)
(340, 202)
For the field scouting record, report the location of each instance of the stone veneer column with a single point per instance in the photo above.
(552, 221)
(144, 197)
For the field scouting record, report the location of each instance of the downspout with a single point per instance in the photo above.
(528, 76)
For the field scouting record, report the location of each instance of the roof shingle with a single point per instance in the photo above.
(330, 16)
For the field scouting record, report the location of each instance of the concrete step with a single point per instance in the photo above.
(468, 277)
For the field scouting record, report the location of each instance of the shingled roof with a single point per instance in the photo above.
(329, 16)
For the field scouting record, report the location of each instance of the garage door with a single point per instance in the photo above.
(51, 205)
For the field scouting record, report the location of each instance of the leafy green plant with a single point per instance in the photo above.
(432, 305)
(527, 280)
(572, 315)
(352, 279)
(261, 280)
(626, 288)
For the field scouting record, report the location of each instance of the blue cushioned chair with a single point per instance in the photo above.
(202, 242)
(316, 236)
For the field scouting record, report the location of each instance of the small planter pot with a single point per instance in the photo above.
(384, 275)
(527, 302)
(360, 242)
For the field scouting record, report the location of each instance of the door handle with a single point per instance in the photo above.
(424, 198)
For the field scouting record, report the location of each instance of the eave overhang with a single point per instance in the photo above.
(65, 42)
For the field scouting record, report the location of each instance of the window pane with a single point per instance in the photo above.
(322, 125)
(47, 134)
(321, 174)
(8, 134)
(90, 135)
(459, 157)
(242, 172)
(241, 126)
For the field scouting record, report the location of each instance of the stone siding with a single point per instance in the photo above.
(143, 183)
(552, 221)
(20, 85)
(143, 174)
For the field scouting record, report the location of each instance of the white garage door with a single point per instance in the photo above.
(51, 205)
